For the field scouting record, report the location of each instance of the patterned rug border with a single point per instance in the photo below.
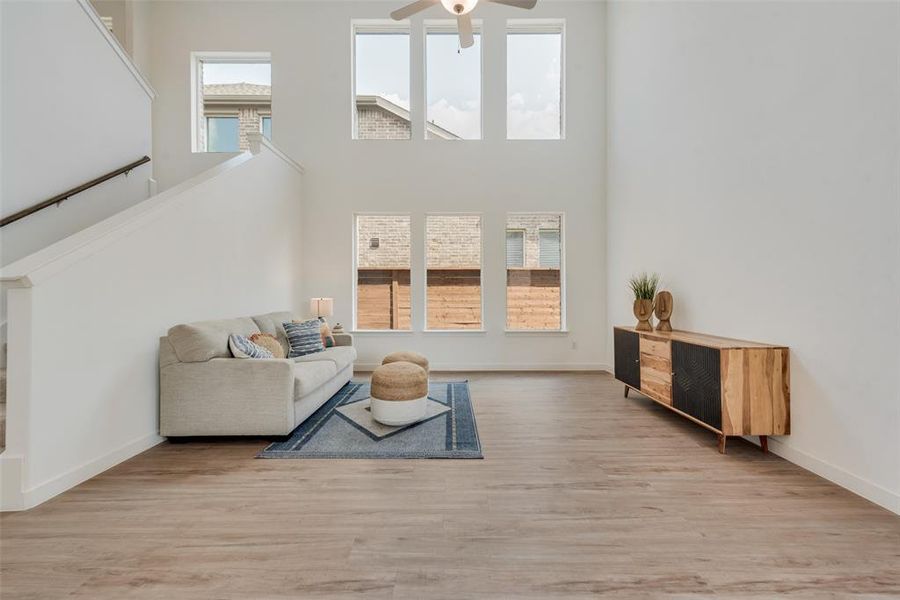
(269, 454)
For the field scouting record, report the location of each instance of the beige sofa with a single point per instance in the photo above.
(203, 390)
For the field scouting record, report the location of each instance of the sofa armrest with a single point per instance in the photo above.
(227, 396)
(343, 339)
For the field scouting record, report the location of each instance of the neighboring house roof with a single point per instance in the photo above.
(402, 113)
(237, 93)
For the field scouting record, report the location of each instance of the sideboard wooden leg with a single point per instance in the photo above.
(626, 391)
(722, 439)
(764, 443)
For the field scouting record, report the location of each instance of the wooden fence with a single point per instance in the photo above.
(454, 299)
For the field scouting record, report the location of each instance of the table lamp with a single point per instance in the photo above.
(321, 307)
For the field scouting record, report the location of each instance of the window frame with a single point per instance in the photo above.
(354, 276)
(563, 312)
(262, 119)
(449, 26)
(198, 145)
(425, 328)
(526, 26)
(376, 26)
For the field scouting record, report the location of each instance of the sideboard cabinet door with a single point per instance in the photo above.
(628, 357)
(696, 383)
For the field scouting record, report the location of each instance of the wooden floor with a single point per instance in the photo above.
(581, 494)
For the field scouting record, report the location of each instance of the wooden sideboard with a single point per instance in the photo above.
(731, 387)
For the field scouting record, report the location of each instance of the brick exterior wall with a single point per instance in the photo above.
(453, 242)
(532, 224)
(375, 123)
(392, 233)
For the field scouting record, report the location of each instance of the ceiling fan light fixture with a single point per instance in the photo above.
(459, 7)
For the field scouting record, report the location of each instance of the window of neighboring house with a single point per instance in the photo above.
(265, 127)
(453, 84)
(232, 94)
(535, 286)
(222, 134)
(515, 248)
(453, 272)
(534, 80)
(549, 248)
(382, 272)
(381, 81)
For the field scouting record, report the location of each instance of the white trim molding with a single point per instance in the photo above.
(117, 47)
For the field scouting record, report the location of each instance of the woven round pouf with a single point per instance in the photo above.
(399, 393)
(410, 357)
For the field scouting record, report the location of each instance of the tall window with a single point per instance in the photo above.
(232, 96)
(534, 281)
(382, 272)
(381, 82)
(534, 81)
(453, 278)
(453, 85)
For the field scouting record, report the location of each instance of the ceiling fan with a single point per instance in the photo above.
(462, 9)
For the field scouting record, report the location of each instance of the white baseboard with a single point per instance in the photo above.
(365, 366)
(59, 484)
(859, 486)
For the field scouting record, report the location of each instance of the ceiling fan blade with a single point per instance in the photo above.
(466, 38)
(516, 3)
(411, 9)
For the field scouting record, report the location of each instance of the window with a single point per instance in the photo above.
(232, 95)
(222, 134)
(453, 277)
(515, 248)
(453, 85)
(381, 81)
(382, 272)
(549, 248)
(534, 285)
(534, 80)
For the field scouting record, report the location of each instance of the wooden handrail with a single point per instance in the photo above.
(68, 193)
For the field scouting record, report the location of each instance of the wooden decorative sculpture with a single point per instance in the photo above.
(664, 305)
(643, 310)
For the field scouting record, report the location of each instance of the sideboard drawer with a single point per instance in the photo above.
(660, 348)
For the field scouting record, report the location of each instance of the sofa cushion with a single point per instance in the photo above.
(309, 376)
(203, 340)
(271, 323)
(341, 356)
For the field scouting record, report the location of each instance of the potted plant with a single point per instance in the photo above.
(644, 288)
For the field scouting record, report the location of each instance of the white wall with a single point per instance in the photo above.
(71, 111)
(754, 152)
(84, 337)
(311, 57)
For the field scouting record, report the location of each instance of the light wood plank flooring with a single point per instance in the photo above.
(582, 494)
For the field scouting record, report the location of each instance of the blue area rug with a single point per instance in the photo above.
(342, 428)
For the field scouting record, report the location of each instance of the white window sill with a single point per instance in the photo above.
(537, 331)
(454, 331)
(379, 331)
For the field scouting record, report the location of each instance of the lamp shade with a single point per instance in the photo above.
(321, 307)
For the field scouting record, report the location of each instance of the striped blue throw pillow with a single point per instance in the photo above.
(304, 337)
(242, 347)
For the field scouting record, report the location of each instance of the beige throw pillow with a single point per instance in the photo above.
(268, 341)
